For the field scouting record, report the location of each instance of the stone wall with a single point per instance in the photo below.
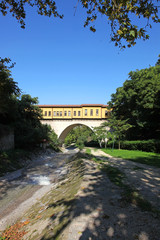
(6, 138)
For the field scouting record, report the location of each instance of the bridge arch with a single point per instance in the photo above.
(65, 132)
(63, 127)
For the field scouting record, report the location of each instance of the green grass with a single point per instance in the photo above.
(148, 158)
(88, 151)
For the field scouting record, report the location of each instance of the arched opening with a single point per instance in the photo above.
(67, 130)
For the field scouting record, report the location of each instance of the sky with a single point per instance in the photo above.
(61, 62)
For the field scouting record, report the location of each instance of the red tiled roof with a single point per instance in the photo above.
(72, 106)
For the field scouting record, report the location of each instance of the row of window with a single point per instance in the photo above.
(68, 113)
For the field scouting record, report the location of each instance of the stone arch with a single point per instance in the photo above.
(62, 127)
(65, 132)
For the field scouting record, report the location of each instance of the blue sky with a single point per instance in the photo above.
(61, 62)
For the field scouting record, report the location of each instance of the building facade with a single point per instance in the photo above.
(83, 111)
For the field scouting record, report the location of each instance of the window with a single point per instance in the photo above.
(69, 113)
(106, 113)
(65, 113)
(54, 113)
(91, 112)
(74, 113)
(45, 113)
(85, 112)
(49, 113)
(61, 113)
(97, 112)
(57, 114)
(79, 113)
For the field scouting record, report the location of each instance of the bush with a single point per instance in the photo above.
(92, 143)
(144, 145)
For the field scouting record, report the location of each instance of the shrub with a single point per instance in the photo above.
(141, 145)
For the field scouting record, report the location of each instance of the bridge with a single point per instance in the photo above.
(63, 118)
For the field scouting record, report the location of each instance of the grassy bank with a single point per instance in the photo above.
(148, 158)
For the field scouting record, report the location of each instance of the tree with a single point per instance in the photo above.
(138, 100)
(9, 90)
(21, 112)
(78, 135)
(120, 15)
(29, 131)
(53, 139)
(158, 61)
(119, 128)
(100, 134)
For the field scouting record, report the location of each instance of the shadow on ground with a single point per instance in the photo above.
(100, 213)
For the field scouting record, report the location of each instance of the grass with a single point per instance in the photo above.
(88, 151)
(148, 158)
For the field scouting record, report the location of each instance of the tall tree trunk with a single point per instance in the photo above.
(100, 143)
(105, 142)
(119, 145)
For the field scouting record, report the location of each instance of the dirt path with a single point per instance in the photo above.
(21, 189)
(100, 212)
(146, 179)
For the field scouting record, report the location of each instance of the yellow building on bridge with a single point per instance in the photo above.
(83, 111)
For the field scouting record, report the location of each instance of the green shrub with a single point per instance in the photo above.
(141, 145)
(92, 143)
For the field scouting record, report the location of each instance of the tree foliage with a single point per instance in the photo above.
(158, 61)
(138, 100)
(120, 15)
(9, 90)
(101, 134)
(118, 127)
(29, 131)
(78, 135)
(21, 113)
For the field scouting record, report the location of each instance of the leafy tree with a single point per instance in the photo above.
(109, 134)
(120, 15)
(8, 93)
(78, 135)
(100, 134)
(71, 138)
(53, 139)
(21, 113)
(80, 142)
(119, 128)
(28, 129)
(27, 123)
(158, 61)
(138, 100)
